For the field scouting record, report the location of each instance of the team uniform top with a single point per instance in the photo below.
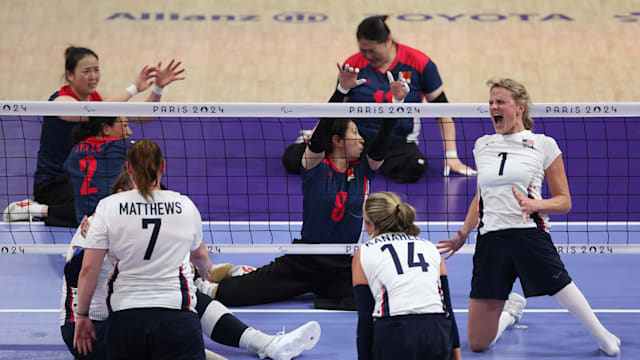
(151, 242)
(504, 161)
(403, 273)
(92, 167)
(55, 141)
(69, 301)
(413, 65)
(333, 199)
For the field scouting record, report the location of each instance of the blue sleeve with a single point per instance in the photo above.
(449, 308)
(364, 303)
(430, 79)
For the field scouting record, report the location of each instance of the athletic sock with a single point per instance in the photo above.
(255, 341)
(506, 321)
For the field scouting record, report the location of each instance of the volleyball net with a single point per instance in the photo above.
(227, 158)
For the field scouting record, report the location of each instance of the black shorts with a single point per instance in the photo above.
(528, 254)
(412, 337)
(154, 334)
(98, 346)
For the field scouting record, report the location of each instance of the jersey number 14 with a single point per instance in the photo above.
(410, 257)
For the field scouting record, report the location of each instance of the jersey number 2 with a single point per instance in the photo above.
(88, 164)
(154, 235)
(410, 255)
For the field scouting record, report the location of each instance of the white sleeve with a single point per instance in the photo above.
(197, 225)
(550, 151)
(97, 237)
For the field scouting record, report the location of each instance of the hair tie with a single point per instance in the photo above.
(397, 208)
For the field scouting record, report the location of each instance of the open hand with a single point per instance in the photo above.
(453, 244)
(348, 77)
(169, 74)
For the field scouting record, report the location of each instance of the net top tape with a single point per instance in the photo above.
(296, 110)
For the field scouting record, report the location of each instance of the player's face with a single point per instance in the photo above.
(377, 54)
(505, 112)
(85, 77)
(353, 142)
(119, 130)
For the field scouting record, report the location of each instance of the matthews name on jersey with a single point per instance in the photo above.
(504, 161)
(151, 242)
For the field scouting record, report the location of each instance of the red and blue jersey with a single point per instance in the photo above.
(92, 167)
(414, 66)
(55, 140)
(333, 199)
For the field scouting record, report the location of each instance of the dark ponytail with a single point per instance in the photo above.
(93, 127)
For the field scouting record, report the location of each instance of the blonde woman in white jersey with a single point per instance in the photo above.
(152, 234)
(512, 222)
(400, 281)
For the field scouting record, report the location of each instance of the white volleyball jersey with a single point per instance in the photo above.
(151, 242)
(504, 161)
(403, 273)
(69, 299)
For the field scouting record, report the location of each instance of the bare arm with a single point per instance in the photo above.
(560, 200)
(453, 244)
(87, 282)
(357, 275)
(200, 258)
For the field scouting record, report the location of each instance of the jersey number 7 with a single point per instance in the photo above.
(154, 235)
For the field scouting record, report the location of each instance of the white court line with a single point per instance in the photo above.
(309, 311)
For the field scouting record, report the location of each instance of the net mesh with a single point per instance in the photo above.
(227, 159)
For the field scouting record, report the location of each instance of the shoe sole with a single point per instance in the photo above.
(220, 272)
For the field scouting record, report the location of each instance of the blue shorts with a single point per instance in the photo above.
(412, 337)
(504, 255)
(154, 333)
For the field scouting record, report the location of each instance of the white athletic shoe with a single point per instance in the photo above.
(288, 346)
(219, 272)
(612, 346)
(20, 211)
(240, 270)
(206, 287)
(515, 306)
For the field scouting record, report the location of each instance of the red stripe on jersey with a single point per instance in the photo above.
(330, 163)
(186, 285)
(535, 216)
(67, 91)
(412, 57)
(356, 61)
(73, 315)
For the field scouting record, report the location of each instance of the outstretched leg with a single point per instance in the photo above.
(572, 298)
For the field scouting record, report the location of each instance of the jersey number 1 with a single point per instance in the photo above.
(410, 255)
(504, 160)
(154, 235)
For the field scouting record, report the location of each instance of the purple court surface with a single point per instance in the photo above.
(232, 169)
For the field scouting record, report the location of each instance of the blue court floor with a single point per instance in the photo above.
(31, 286)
